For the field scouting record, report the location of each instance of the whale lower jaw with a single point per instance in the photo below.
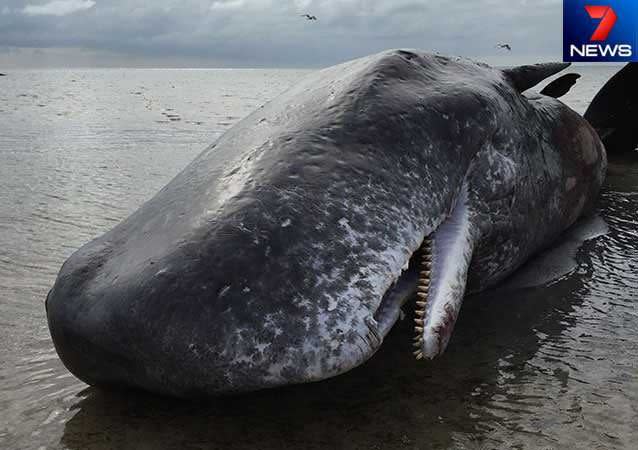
(436, 278)
(445, 280)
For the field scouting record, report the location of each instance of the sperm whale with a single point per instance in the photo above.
(284, 253)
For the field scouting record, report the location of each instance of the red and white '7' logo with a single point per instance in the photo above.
(608, 16)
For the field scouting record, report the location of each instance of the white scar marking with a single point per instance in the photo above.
(224, 291)
(238, 176)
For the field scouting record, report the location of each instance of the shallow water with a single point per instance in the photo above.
(547, 361)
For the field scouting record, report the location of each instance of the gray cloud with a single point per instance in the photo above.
(58, 8)
(271, 32)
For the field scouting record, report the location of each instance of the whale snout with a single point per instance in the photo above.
(175, 326)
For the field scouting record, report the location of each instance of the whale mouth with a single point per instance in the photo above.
(412, 286)
(435, 278)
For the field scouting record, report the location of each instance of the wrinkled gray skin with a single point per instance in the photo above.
(265, 262)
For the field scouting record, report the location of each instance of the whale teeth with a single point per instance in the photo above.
(423, 290)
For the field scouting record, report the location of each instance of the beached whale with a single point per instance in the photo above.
(614, 109)
(284, 252)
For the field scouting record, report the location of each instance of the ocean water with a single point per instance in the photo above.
(549, 361)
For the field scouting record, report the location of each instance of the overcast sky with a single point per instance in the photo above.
(269, 33)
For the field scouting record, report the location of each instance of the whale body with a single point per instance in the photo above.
(284, 252)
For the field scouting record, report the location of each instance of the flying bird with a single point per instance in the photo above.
(505, 46)
(309, 17)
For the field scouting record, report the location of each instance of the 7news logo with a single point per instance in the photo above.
(600, 30)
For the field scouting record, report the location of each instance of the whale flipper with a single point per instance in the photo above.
(613, 111)
(526, 77)
(561, 86)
